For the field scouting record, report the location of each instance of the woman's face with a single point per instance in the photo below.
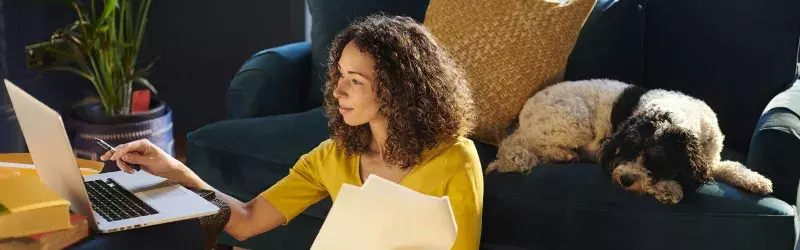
(357, 100)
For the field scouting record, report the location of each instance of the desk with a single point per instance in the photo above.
(185, 234)
(199, 233)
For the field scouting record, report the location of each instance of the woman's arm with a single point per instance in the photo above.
(247, 219)
(465, 191)
(292, 194)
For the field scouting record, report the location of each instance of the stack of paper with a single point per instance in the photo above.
(384, 215)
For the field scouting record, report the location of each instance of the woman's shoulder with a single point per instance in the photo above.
(326, 153)
(461, 145)
(325, 146)
(455, 149)
(323, 150)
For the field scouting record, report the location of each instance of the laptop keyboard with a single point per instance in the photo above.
(113, 202)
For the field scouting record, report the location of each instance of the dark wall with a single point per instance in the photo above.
(200, 46)
(28, 22)
(9, 130)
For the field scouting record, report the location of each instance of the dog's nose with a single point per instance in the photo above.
(627, 180)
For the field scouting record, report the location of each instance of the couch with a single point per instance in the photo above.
(740, 56)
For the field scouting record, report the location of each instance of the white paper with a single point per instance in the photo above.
(22, 165)
(16, 165)
(385, 215)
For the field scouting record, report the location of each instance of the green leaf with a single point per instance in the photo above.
(146, 83)
(61, 54)
(144, 7)
(94, 12)
(108, 9)
(144, 71)
(83, 29)
(129, 21)
(69, 35)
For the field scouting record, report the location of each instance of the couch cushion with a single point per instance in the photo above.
(773, 151)
(509, 50)
(329, 17)
(271, 82)
(610, 43)
(585, 185)
(773, 147)
(734, 54)
(582, 209)
(577, 207)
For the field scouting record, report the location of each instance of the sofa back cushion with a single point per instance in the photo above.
(610, 43)
(329, 17)
(734, 54)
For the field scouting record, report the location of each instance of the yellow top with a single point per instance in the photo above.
(451, 169)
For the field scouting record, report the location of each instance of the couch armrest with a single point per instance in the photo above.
(776, 143)
(273, 81)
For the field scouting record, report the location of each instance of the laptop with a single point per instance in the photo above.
(112, 201)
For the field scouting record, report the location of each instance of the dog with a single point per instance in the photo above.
(657, 142)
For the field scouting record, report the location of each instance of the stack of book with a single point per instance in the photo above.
(33, 216)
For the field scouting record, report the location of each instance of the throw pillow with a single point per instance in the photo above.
(509, 50)
(328, 18)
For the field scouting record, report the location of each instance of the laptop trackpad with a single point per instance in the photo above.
(169, 192)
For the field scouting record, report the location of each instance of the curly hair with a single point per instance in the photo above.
(423, 93)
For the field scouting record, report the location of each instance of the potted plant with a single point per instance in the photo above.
(103, 47)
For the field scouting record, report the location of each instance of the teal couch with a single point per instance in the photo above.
(738, 55)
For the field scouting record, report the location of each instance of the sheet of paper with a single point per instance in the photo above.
(31, 166)
(385, 215)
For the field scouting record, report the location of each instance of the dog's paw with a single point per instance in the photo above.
(736, 174)
(667, 192)
(491, 168)
(761, 185)
(573, 158)
(504, 167)
(558, 155)
(515, 160)
(668, 199)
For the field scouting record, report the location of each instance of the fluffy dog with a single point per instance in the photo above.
(657, 142)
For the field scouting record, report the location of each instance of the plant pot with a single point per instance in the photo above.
(88, 121)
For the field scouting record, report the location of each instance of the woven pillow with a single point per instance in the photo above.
(509, 50)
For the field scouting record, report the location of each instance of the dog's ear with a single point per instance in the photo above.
(682, 147)
(606, 153)
(621, 143)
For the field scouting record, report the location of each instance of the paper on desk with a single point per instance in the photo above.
(385, 215)
(8, 169)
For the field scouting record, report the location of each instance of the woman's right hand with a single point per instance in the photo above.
(152, 160)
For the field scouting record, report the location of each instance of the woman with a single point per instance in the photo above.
(398, 107)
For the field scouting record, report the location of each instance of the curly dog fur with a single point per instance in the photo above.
(655, 142)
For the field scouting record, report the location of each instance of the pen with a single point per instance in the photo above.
(110, 148)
